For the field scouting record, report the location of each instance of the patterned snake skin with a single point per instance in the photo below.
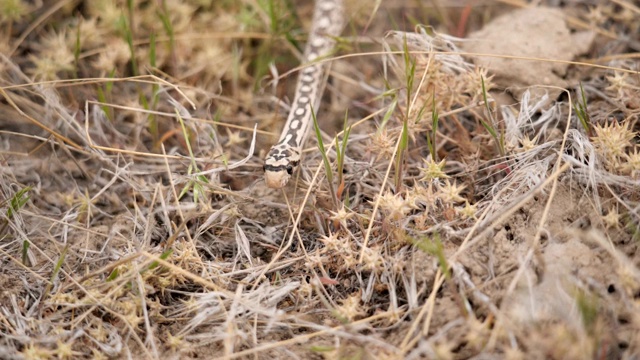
(282, 159)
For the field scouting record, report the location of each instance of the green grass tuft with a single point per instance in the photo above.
(341, 149)
(433, 246)
(431, 137)
(489, 127)
(325, 158)
(199, 191)
(580, 108)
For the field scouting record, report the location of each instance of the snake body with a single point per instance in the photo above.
(284, 156)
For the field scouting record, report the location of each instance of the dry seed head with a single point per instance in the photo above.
(341, 216)
(63, 298)
(91, 36)
(118, 53)
(174, 343)
(34, 352)
(13, 10)
(47, 68)
(444, 350)
(181, 14)
(234, 138)
(423, 195)
(191, 304)
(349, 261)
(432, 170)
(381, 144)
(351, 308)
(97, 355)
(92, 295)
(161, 282)
(394, 206)
(126, 305)
(450, 193)
(612, 219)
(133, 319)
(372, 260)
(316, 260)
(440, 83)
(64, 351)
(425, 62)
(611, 140)
(107, 12)
(422, 221)
(528, 144)
(55, 45)
(412, 198)
(305, 290)
(632, 164)
(595, 16)
(337, 245)
(155, 307)
(99, 332)
(185, 256)
(618, 83)
(473, 82)
(468, 211)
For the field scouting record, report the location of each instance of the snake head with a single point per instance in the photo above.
(280, 165)
(277, 178)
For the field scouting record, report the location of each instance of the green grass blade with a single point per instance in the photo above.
(494, 134)
(105, 94)
(186, 135)
(128, 36)
(402, 147)
(17, 201)
(56, 270)
(580, 108)
(25, 252)
(273, 16)
(108, 86)
(342, 148)
(431, 138)
(199, 191)
(15, 204)
(325, 158)
(588, 308)
(410, 69)
(164, 256)
(388, 113)
(434, 247)
(114, 275)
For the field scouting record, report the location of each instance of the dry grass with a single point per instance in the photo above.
(135, 221)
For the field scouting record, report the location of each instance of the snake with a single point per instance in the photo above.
(284, 157)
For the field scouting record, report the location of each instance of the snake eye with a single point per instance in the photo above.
(289, 169)
(264, 167)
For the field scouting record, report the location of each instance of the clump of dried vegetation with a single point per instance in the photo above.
(439, 222)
